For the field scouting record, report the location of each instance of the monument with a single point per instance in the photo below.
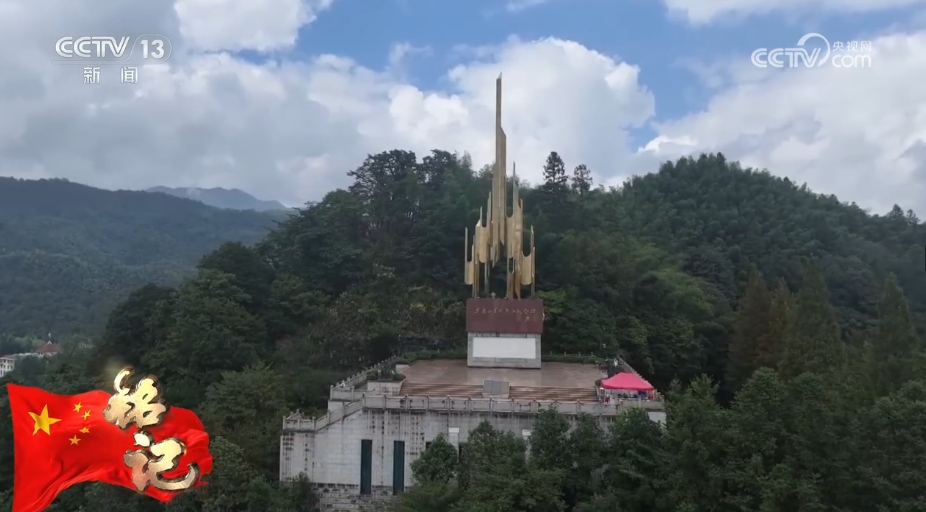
(362, 451)
(502, 333)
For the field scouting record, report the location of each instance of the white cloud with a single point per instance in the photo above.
(704, 11)
(287, 130)
(260, 25)
(522, 5)
(858, 133)
(290, 130)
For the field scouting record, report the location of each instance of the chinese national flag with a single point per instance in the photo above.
(63, 440)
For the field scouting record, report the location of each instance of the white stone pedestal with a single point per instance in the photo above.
(500, 350)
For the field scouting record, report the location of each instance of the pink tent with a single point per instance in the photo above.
(626, 381)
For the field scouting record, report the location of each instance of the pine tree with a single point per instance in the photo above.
(812, 339)
(581, 180)
(895, 348)
(554, 194)
(751, 325)
(771, 346)
(555, 181)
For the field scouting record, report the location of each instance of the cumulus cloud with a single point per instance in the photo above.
(704, 11)
(286, 129)
(859, 133)
(290, 129)
(260, 25)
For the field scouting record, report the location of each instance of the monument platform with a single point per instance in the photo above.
(552, 381)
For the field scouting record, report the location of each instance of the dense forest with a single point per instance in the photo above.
(69, 253)
(786, 329)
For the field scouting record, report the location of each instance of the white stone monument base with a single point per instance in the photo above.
(500, 350)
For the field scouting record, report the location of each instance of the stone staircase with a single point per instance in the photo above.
(525, 393)
(552, 393)
(441, 390)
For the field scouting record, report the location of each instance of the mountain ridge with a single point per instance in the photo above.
(218, 197)
(70, 252)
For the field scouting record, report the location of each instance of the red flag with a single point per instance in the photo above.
(62, 440)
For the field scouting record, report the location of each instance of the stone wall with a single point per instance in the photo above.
(347, 498)
(330, 457)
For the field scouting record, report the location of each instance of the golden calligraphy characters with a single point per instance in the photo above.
(159, 457)
(143, 406)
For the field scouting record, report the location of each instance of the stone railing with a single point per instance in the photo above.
(505, 405)
(296, 422)
(348, 395)
(357, 379)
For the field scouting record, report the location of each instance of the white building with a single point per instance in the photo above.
(8, 362)
(362, 450)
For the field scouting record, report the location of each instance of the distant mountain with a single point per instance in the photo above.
(69, 252)
(233, 199)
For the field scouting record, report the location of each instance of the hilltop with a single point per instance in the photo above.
(69, 252)
(701, 272)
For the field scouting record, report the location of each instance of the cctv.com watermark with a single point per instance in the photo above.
(814, 51)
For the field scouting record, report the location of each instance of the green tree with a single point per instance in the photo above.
(896, 350)
(581, 180)
(754, 463)
(438, 464)
(249, 272)
(549, 441)
(812, 340)
(770, 348)
(892, 472)
(246, 408)
(133, 327)
(496, 477)
(588, 446)
(555, 180)
(230, 481)
(427, 498)
(637, 464)
(751, 326)
(697, 430)
(211, 332)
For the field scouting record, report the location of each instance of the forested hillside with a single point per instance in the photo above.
(69, 253)
(781, 316)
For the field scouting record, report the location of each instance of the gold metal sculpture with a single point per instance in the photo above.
(500, 236)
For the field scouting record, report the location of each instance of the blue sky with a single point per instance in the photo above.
(636, 31)
(281, 98)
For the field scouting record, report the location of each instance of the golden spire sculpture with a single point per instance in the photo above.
(500, 236)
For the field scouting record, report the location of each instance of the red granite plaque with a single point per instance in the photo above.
(504, 316)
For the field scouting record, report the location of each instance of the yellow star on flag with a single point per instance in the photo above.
(77, 407)
(74, 440)
(43, 422)
(85, 430)
(86, 414)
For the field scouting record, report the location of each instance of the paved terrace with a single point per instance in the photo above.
(452, 377)
(455, 371)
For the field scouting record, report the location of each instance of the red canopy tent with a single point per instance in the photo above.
(626, 381)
